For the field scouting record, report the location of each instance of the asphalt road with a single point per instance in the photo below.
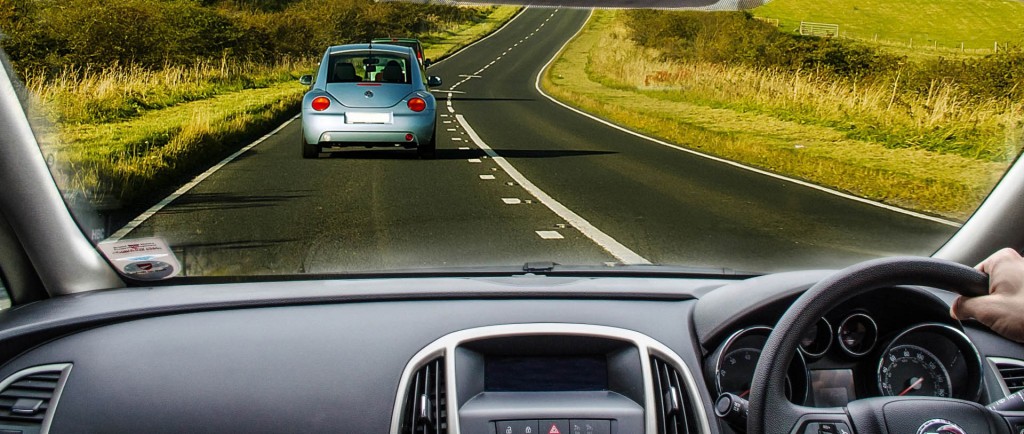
(586, 193)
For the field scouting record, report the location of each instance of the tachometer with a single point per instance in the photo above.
(732, 365)
(909, 370)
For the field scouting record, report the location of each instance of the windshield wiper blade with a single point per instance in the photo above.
(554, 268)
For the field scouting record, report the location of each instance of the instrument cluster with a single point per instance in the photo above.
(846, 355)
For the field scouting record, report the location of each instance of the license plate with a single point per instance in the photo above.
(367, 118)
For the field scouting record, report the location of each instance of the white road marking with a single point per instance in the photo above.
(473, 160)
(450, 109)
(492, 62)
(128, 228)
(503, 26)
(444, 116)
(446, 122)
(486, 176)
(457, 139)
(450, 91)
(606, 242)
(722, 160)
(451, 129)
(463, 148)
(469, 76)
(511, 201)
(550, 235)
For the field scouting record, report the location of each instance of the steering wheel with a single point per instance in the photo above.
(769, 411)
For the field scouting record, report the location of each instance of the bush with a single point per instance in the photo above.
(49, 35)
(738, 38)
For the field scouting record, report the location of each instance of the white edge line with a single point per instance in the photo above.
(609, 244)
(722, 160)
(141, 218)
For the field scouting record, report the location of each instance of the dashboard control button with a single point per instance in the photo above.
(554, 427)
(827, 428)
(516, 427)
(590, 426)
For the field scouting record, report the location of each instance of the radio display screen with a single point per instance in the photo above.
(546, 374)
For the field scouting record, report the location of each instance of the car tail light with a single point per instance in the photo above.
(417, 104)
(321, 103)
(408, 137)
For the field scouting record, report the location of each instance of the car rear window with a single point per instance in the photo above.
(378, 67)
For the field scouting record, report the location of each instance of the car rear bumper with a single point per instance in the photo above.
(331, 130)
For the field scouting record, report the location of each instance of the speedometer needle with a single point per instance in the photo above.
(912, 386)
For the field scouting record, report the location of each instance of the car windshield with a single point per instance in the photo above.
(219, 137)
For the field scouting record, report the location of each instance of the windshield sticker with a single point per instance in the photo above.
(142, 259)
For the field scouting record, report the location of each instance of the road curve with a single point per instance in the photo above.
(271, 212)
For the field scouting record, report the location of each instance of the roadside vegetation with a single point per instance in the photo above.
(931, 135)
(947, 27)
(132, 97)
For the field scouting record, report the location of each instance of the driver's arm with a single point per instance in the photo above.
(1003, 309)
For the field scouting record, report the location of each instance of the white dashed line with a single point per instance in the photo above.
(550, 235)
(451, 129)
(457, 139)
(486, 176)
(463, 148)
(473, 160)
(450, 109)
(602, 239)
(511, 201)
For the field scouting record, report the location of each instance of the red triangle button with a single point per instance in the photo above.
(554, 430)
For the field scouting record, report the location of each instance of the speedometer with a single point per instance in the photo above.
(909, 370)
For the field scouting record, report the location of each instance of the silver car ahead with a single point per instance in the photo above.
(369, 95)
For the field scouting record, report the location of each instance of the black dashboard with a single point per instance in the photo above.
(521, 354)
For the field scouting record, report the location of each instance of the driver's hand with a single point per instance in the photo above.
(1003, 309)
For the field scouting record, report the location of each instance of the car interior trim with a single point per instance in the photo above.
(65, 370)
(993, 361)
(29, 203)
(446, 345)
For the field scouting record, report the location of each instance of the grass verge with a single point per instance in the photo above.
(439, 46)
(734, 125)
(124, 136)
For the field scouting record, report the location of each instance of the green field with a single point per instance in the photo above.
(944, 24)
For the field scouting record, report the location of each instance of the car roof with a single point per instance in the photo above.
(363, 47)
(395, 40)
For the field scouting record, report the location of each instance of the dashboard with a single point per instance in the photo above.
(489, 355)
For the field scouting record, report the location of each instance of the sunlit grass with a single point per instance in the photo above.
(440, 45)
(830, 133)
(944, 24)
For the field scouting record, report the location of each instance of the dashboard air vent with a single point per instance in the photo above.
(1013, 375)
(28, 396)
(426, 409)
(673, 407)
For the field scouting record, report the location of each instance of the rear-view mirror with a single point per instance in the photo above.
(371, 61)
(427, 63)
(306, 80)
(433, 81)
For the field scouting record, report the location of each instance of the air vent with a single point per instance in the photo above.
(1012, 372)
(673, 406)
(426, 410)
(27, 397)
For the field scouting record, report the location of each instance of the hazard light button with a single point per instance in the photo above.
(554, 427)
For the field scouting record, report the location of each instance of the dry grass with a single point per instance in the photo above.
(123, 91)
(831, 133)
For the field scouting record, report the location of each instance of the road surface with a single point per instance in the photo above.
(564, 188)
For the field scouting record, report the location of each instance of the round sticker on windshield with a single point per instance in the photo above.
(148, 270)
